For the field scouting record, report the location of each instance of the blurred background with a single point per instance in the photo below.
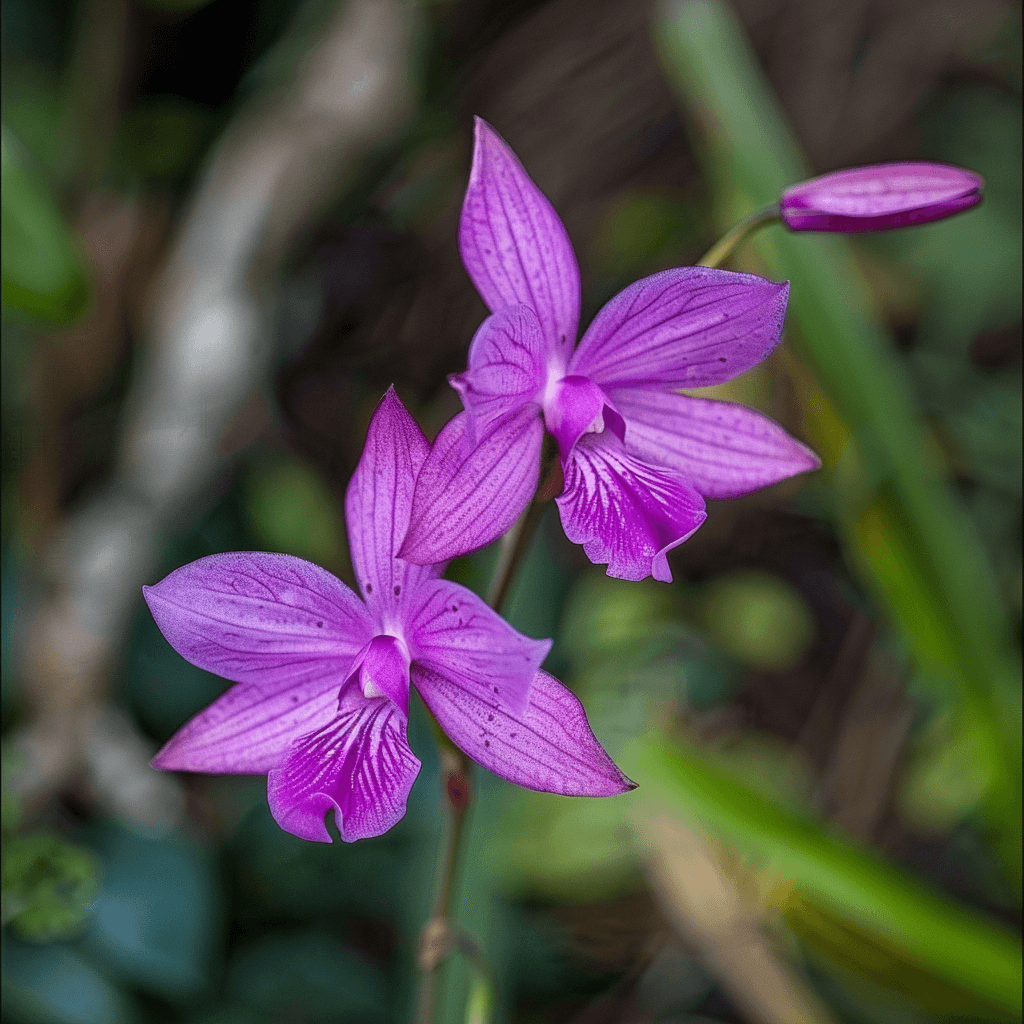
(228, 226)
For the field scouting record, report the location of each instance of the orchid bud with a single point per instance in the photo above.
(879, 197)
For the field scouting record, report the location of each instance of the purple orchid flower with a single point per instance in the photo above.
(879, 197)
(321, 701)
(637, 458)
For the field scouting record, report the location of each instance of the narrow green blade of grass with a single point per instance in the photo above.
(981, 958)
(941, 563)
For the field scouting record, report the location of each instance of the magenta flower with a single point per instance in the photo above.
(638, 459)
(322, 696)
(879, 197)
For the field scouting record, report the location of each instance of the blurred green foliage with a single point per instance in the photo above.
(49, 886)
(43, 276)
(157, 922)
(915, 544)
(979, 957)
(291, 510)
(758, 619)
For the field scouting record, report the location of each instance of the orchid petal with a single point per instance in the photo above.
(359, 765)
(514, 246)
(685, 328)
(270, 620)
(454, 632)
(549, 746)
(466, 497)
(249, 729)
(725, 450)
(626, 511)
(506, 369)
(378, 502)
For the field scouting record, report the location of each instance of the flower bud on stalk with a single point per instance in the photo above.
(879, 197)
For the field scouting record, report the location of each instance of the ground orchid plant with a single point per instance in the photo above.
(323, 676)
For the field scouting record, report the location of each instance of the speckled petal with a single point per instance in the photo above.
(685, 328)
(513, 244)
(249, 729)
(549, 746)
(506, 370)
(378, 503)
(725, 450)
(454, 632)
(271, 621)
(467, 496)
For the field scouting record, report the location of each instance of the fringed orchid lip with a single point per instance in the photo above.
(638, 459)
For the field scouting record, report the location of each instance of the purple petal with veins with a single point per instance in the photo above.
(514, 246)
(549, 746)
(626, 511)
(686, 328)
(358, 765)
(252, 617)
(456, 633)
(725, 450)
(322, 696)
(467, 497)
(506, 370)
(249, 729)
(378, 503)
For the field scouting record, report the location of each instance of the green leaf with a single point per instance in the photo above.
(480, 1005)
(934, 575)
(43, 277)
(977, 956)
(946, 778)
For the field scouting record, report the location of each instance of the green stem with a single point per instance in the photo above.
(441, 935)
(437, 939)
(723, 248)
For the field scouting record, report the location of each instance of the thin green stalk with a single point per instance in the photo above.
(723, 248)
(441, 935)
(437, 939)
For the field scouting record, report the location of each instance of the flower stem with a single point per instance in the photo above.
(441, 935)
(516, 543)
(723, 248)
(438, 937)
